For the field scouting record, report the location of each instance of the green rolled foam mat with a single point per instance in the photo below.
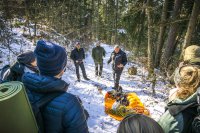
(16, 115)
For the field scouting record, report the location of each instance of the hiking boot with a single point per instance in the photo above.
(119, 89)
(78, 80)
(101, 76)
(113, 88)
(86, 78)
(116, 86)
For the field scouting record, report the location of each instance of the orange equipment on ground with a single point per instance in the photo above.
(134, 105)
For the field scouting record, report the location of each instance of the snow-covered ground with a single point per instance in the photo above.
(92, 99)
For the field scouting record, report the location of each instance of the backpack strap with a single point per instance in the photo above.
(38, 105)
(46, 99)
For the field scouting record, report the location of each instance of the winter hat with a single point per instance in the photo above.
(26, 58)
(51, 58)
(192, 52)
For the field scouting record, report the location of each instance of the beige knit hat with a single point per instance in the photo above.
(191, 52)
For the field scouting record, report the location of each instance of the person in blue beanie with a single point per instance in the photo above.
(65, 113)
(78, 55)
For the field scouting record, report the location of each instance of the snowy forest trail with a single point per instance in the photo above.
(93, 100)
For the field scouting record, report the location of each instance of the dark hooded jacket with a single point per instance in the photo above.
(64, 114)
(117, 59)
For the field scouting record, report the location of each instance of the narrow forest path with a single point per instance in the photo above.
(93, 101)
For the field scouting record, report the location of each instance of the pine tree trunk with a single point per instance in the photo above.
(161, 34)
(140, 35)
(98, 21)
(27, 16)
(116, 21)
(170, 46)
(150, 37)
(92, 20)
(191, 25)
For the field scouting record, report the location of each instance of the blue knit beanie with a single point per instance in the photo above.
(51, 58)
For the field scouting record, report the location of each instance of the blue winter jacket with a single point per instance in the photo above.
(64, 114)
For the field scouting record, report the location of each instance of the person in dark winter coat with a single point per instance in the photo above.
(25, 63)
(138, 123)
(119, 60)
(98, 53)
(78, 56)
(64, 114)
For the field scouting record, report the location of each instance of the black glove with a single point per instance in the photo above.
(196, 121)
(196, 124)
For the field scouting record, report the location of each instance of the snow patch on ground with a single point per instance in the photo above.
(93, 101)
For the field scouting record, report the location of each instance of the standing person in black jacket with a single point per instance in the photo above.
(78, 55)
(119, 60)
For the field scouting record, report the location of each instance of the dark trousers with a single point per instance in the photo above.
(98, 69)
(81, 65)
(116, 77)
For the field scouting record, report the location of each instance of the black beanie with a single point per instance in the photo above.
(26, 58)
(51, 58)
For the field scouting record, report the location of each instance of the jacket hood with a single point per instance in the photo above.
(18, 68)
(191, 99)
(26, 58)
(43, 84)
(176, 106)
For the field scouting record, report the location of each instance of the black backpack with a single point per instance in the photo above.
(5, 72)
(191, 115)
(39, 106)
